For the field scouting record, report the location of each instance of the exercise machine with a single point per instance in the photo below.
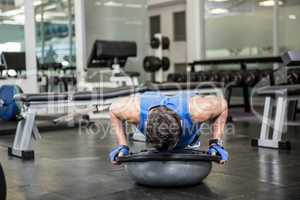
(13, 71)
(14, 64)
(52, 77)
(110, 57)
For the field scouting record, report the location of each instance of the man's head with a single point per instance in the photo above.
(163, 128)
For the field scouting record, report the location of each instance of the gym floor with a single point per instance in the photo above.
(73, 165)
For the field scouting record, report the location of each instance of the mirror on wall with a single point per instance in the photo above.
(12, 26)
(55, 31)
(118, 20)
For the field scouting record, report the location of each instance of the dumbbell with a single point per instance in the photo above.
(250, 78)
(266, 74)
(293, 77)
(237, 78)
(155, 43)
(176, 77)
(214, 77)
(262, 74)
(194, 77)
(203, 76)
(171, 78)
(225, 77)
(166, 64)
(180, 78)
(153, 64)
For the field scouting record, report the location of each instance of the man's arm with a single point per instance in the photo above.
(219, 125)
(127, 109)
(207, 108)
(118, 129)
(210, 108)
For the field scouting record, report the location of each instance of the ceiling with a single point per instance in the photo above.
(57, 10)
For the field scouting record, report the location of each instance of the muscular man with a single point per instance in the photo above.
(169, 122)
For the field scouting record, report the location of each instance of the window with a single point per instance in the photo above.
(12, 26)
(179, 26)
(154, 25)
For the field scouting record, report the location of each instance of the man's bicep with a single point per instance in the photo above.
(126, 108)
(206, 108)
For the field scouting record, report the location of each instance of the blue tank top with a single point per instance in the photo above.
(180, 105)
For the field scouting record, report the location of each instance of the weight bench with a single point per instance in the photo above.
(110, 58)
(278, 96)
(85, 103)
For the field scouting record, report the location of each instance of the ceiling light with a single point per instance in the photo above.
(113, 4)
(50, 7)
(11, 13)
(54, 15)
(218, 0)
(133, 5)
(270, 3)
(98, 3)
(11, 22)
(292, 17)
(218, 11)
(37, 3)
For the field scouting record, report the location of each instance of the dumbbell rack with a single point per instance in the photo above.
(243, 62)
(158, 64)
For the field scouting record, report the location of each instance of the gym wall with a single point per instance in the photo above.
(178, 49)
(245, 31)
(251, 32)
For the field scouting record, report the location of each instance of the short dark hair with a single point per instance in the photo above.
(163, 128)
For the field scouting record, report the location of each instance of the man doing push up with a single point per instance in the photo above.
(170, 122)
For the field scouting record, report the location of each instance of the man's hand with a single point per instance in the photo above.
(121, 150)
(218, 150)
